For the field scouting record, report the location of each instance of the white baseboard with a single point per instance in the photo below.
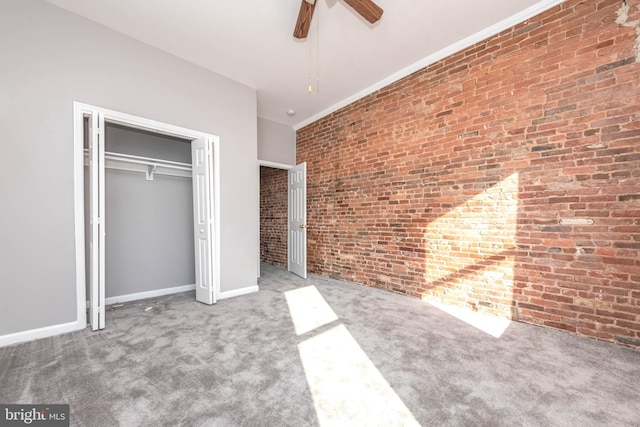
(238, 292)
(49, 331)
(34, 334)
(149, 294)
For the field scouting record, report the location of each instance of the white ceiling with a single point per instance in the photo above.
(251, 41)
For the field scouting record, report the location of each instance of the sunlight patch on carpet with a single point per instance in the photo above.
(492, 325)
(308, 309)
(346, 387)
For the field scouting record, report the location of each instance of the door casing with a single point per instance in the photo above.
(80, 111)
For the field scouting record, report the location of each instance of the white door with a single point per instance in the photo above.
(96, 213)
(202, 170)
(298, 220)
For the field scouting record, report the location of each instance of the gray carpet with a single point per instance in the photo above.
(320, 352)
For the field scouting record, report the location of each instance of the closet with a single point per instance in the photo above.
(149, 214)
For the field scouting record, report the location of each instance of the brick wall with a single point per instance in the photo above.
(273, 216)
(504, 178)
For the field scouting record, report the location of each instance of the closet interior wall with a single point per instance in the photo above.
(149, 223)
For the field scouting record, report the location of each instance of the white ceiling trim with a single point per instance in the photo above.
(513, 20)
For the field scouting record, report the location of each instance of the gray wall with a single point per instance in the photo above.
(149, 224)
(119, 139)
(51, 58)
(276, 142)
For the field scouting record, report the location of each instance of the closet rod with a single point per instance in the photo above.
(148, 161)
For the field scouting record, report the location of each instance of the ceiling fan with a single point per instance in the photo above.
(366, 8)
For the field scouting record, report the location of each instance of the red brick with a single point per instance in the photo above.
(273, 216)
(409, 190)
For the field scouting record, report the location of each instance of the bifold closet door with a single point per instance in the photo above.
(96, 213)
(202, 173)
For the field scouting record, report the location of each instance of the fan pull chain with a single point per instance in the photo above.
(318, 52)
(310, 88)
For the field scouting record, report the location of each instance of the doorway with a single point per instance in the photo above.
(283, 216)
(203, 173)
(149, 238)
(273, 216)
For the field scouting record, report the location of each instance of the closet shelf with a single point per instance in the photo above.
(147, 165)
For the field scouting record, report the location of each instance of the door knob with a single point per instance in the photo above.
(303, 226)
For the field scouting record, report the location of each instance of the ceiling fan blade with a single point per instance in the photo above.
(304, 19)
(367, 8)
